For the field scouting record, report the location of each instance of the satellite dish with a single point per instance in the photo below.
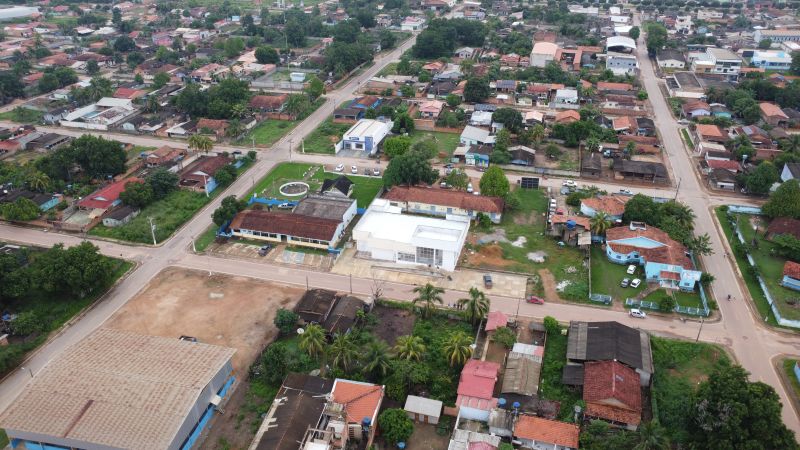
(300, 331)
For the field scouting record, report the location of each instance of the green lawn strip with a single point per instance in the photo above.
(389, 69)
(204, 240)
(687, 139)
(788, 369)
(134, 151)
(3, 439)
(687, 299)
(22, 115)
(550, 386)
(679, 366)
(324, 137)
(749, 278)
(53, 312)
(606, 277)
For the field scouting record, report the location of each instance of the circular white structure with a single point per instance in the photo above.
(286, 189)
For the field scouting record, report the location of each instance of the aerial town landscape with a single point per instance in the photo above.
(399, 224)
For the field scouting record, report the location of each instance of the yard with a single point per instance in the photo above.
(550, 386)
(687, 299)
(790, 377)
(679, 367)
(769, 266)
(445, 142)
(606, 277)
(687, 139)
(22, 115)
(365, 189)
(389, 69)
(519, 240)
(271, 131)
(324, 137)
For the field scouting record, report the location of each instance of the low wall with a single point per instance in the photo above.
(542, 170)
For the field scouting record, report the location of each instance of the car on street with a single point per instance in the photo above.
(636, 282)
(625, 282)
(535, 300)
(339, 168)
(684, 122)
(631, 269)
(354, 169)
(569, 183)
(626, 192)
(487, 281)
(637, 313)
(376, 172)
(285, 206)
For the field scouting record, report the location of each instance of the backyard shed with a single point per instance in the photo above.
(424, 410)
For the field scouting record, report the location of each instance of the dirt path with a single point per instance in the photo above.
(549, 284)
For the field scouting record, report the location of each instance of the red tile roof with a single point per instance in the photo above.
(733, 166)
(212, 124)
(623, 123)
(547, 431)
(104, 197)
(711, 132)
(268, 101)
(445, 197)
(360, 400)
(298, 225)
(495, 320)
(128, 93)
(208, 165)
(569, 115)
(611, 391)
(664, 275)
(478, 378)
(784, 225)
(481, 446)
(792, 270)
(580, 221)
(671, 252)
(606, 86)
(612, 204)
(772, 110)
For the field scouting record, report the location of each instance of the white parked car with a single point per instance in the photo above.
(353, 169)
(376, 172)
(469, 188)
(626, 192)
(636, 282)
(339, 168)
(569, 183)
(637, 313)
(631, 270)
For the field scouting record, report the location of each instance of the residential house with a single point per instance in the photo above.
(612, 205)
(722, 179)
(612, 393)
(523, 367)
(756, 135)
(571, 230)
(772, 60)
(665, 260)
(48, 142)
(445, 202)
(540, 433)
(708, 165)
(481, 118)
(348, 115)
(434, 67)
(495, 320)
(340, 186)
(710, 133)
(361, 403)
(441, 88)
(366, 136)
(645, 127)
(475, 389)
(670, 59)
(106, 197)
(475, 155)
(412, 24)
(216, 127)
(209, 73)
(522, 155)
(164, 155)
(431, 109)
(464, 52)
(791, 276)
(120, 216)
(199, 175)
(129, 93)
(506, 86)
(384, 233)
(791, 171)
(783, 226)
(45, 202)
(651, 172)
(476, 136)
(423, 410)
(717, 61)
(55, 114)
(268, 103)
(566, 98)
(567, 117)
(695, 108)
(772, 114)
(366, 102)
(592, 167)
(776, 36)
(622, 63)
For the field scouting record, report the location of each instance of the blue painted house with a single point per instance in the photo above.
(791, 275)
(366, 102)
(665, 261)
(45, 202)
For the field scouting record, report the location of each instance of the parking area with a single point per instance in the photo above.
(281, 254)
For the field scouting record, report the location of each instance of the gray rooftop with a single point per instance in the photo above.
(323, 206)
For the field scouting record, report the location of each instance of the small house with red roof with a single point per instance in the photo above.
(539, 433)
(773, 114)
(612, 393)
(199, 175)
(791, 276)
(129, 93)
(476, 389)
(495, 320)
(106, 197)
(359, 404)
(665, 260)
(613, 205)
(445, 202)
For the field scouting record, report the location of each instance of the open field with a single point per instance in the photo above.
(324, 137)
(445, 142)
(22, 115)
(271, 131)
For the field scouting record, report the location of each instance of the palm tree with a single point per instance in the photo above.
(312, 341)
(682, 213)
(537, 133)
(457, 348)
(791, 144)
(651, 436)
(235, 128)
(409, 347)
(592, 144)
(600, 223)
(427, 296)
(342, 351)
(701, 245)
(239, 110)
(38, 181)
(377, 359)
(589, 92)
(200, 143)
(476, 306)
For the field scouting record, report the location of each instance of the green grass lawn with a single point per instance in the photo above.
(445, 142)
(134, 151)
(22, 115)
(365, 189)
(204, 240)
(565, 263)
(550, 386)
(687, 139)
(606, 277)
(268, 132)
(679, 367)
(770, 267)
(324, 137)
(788, 369)
(687, 299)
(390, 69)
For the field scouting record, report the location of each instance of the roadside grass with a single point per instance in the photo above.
(688, 299)
(52, 312)
(389, 69)
(133, 152)
(324, 137)
(788, 369)
(204, 240)
(606, 277)
(22, 115)
(565, 263)
(551, 387)
(679, 366)
(749, 278)
(687, 139)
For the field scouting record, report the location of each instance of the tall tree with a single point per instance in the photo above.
(656, 37)
(410, 169)
(267, 55)
(494, 182)
(342, 351)
(600, 223)
(784, 202)
(376, 359)
(509, 117)
(476, 90)
(427, 297)
(634, 33)
(652, 436)
(200, 143)
(476, 306)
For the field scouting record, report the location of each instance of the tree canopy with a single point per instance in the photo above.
(509, 117)
(784, 202)
(442, 36)
(410, 168)
(494, 182)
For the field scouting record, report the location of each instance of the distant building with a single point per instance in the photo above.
(717, 61)
(783, 35)
(543, 53)
(772, 60)
(671, 59)
(445, 202)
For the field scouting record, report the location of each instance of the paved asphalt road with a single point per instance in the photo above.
(753, 345)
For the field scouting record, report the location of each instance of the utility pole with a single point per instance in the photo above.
(30, 371)
(152, 230)
(351, 284)
(290, 150)
(677, 189)
(702, 320)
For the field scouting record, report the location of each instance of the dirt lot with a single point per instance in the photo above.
(393, 323)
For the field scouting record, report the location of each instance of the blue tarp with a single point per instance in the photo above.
(270, 201)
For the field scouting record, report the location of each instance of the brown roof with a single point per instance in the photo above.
(711, 131)
(568, 115)
(611, 204)
(696, 104)
(606, 86)
(208, 165)
(792, 270)
(671, 252)
(444, 197)
(268, 101)
(581, 221)
(611, 391)
(360, 400)
(212, 124)
(549, 431)
(772, 110)
(297, 225)
(784, 225)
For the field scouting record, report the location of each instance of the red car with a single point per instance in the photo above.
(535, 300)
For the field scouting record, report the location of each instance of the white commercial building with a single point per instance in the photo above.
(771, 60)
(15, 12)
(543, 53)
(776, 35)
(385, 233)
(365, 135)
(104, 114)
(717, 61)
(622, 63)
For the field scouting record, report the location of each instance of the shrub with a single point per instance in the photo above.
(667, 303)
(26, 323)
(505, 336)
(286, 321)
(395, 425)
(551, 325)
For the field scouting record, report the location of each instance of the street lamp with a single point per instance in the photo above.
(30, 371)
(152, 230)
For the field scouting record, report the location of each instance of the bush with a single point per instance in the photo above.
(26, 323)
(286, 321)
(667, 303)
(551, 325)
(395, 425)
(505, 336)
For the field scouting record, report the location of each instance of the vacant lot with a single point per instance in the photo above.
(393, 323)
(445, 142)
(233, 312)
(325, 137)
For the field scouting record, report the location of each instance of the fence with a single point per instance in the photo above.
(601, 298)
(632, 302)
(703, 298)
(740, 209)
(778, 317)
